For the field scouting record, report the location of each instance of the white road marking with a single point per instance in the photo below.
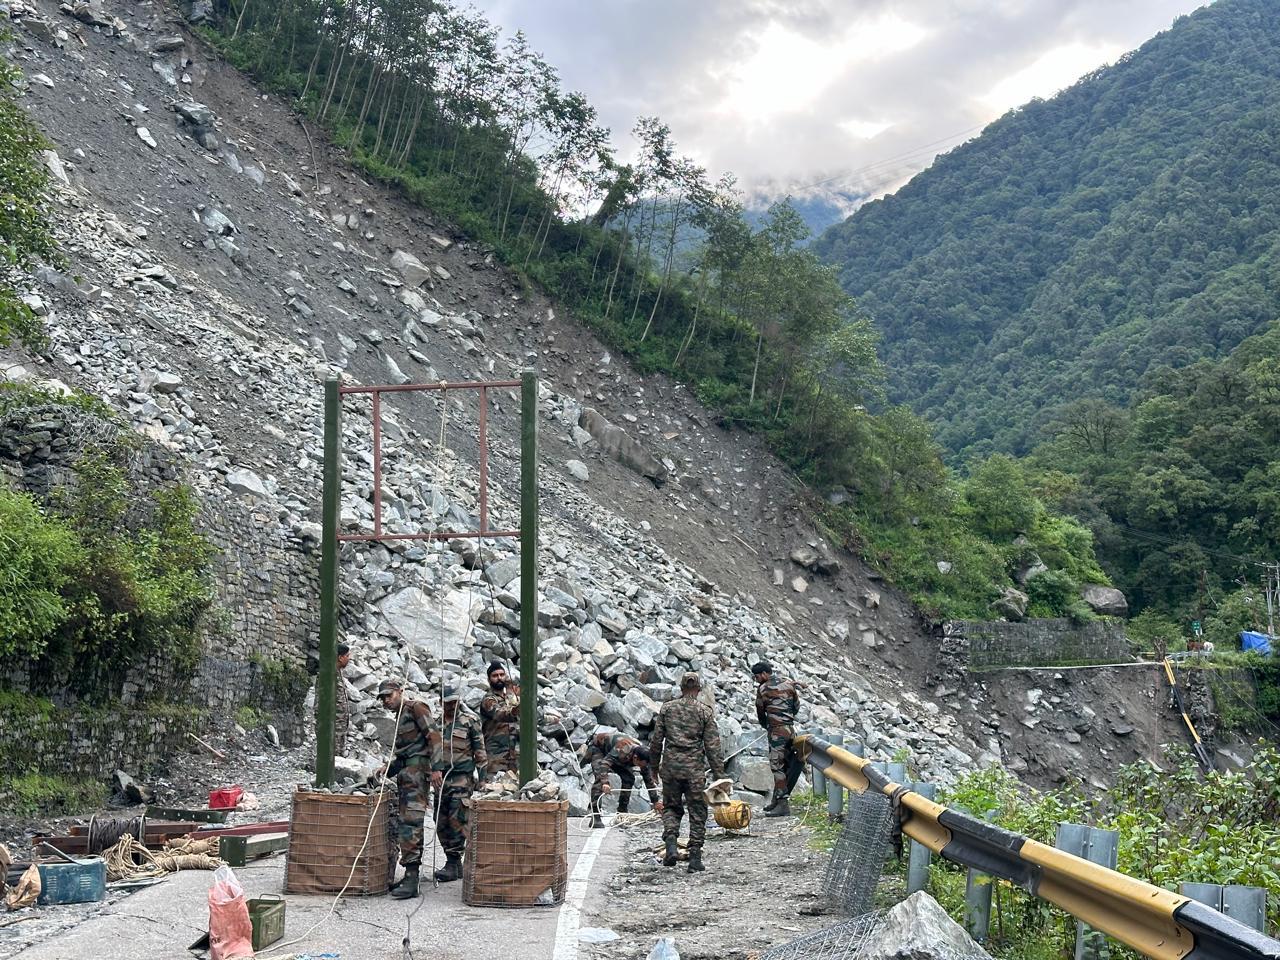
(575, 893)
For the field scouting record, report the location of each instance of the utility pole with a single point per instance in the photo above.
(326, 680)
(528, 576)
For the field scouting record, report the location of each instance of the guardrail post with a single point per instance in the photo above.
(816, 777)
(835, 792)
(1247, 905)
(918, 859)
(1096, 846)
(977, 898)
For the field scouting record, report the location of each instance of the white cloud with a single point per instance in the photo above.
(1052, 71)
(788, 92)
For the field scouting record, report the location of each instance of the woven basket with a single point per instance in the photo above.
(734, 815)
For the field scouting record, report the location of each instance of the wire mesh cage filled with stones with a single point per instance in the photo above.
(840, 942)
(339, 842)
(517, 854)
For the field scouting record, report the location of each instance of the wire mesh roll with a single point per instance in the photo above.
(104, 832)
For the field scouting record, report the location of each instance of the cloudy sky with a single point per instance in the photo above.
(788, 92)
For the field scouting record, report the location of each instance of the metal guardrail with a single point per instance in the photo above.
(1153, 921)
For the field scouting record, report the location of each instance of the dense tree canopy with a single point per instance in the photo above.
(1081, 244)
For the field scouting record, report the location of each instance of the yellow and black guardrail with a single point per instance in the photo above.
(1153, 921)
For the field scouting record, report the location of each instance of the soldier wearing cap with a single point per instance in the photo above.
(685, 741)
(458, 760)
(417, 741)
(500, 715)
(777, 704)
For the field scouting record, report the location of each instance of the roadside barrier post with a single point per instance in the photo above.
(835, 792)
(1096, 846)
(918, 860)
(1247, 905)
(816, 776)
(977, 899)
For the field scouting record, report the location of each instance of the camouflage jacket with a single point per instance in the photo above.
(777, 703)
(619, 749)
(684, 734)
(416, 735)
(500, 714)
(461, 745)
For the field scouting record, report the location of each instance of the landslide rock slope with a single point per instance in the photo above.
(223, 261)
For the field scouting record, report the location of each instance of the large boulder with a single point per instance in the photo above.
(413, 270)
(436, 627)
(919, 929)
(1107, 601)
(616, 443)
(1012, 604)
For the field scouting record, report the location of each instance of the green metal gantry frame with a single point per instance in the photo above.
(326, 682)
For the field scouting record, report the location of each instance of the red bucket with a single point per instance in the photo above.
(225, 798)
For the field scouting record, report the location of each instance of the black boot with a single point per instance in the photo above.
(781, 809)
(773, 800)
(597, 821)
(695, 861)
(452, 868)
(408, 885)
(672, 854)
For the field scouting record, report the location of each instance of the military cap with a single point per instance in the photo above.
(690, 681)
(389, 686)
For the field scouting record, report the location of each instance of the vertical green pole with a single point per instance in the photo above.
(326, 681)
(528, 576)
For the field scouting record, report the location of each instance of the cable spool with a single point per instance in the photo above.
(105, 832)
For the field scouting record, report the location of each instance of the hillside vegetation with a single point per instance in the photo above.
(660, 259)
(1082, 244)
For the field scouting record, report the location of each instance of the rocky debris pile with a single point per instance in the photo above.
(919, 929)
(506, 786)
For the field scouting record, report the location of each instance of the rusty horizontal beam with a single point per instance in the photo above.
(418, 387)
(439, 535)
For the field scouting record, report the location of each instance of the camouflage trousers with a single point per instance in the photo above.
(504, 754)
(784, 760)
(414, 788)
(452, 812)
(677, 793)
(602, 767)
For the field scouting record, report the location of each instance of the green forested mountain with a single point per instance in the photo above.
(1130, 223)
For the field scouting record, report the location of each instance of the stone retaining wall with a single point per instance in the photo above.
(1037, 643)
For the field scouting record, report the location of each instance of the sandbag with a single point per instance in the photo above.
(230, 930)
(27, 892)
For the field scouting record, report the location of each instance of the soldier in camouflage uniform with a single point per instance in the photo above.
(685, 741)
(777, 703)
(615, 753)
(458, 759)
(417, 741)
(341, 704)
(500, 716)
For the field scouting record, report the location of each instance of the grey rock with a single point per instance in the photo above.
(616, 443)
(246, 481)
(806, 556)
(919, 929)
(578, 470)
(503, 572)
(436, 627)
(1107, 601)
(1011, 604)
(145, 136)
(754, 774)
(638, 708)
(413, 270)
(195, 113)
(216, 222)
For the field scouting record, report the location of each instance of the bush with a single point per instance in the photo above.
(1174, 825)
(39, 556)
(38, 794)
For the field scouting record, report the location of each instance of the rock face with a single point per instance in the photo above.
(919, 929)
(616, 443)
(1107, 601)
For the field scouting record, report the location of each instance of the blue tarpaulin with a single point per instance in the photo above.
(1256, 641)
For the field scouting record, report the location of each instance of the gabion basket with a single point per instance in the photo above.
(517, 854)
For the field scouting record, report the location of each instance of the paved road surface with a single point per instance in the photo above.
(159, 922)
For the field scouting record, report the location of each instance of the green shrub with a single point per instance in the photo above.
(39, 556)
(38, 794)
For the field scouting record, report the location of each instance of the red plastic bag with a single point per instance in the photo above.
(230, 932)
